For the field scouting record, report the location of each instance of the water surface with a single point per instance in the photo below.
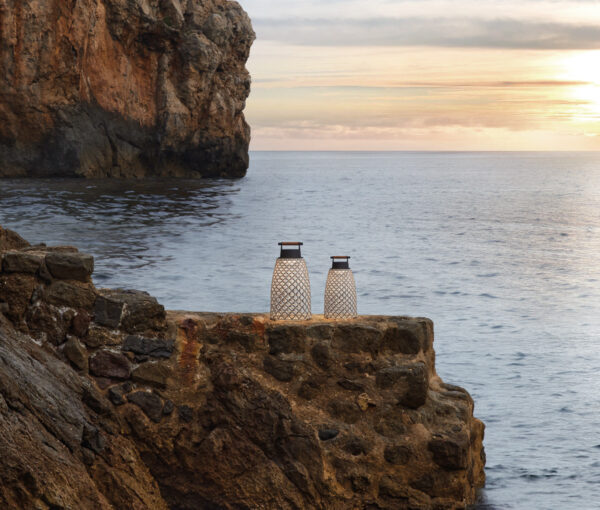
(501, 250)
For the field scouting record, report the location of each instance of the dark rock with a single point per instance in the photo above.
(110, 364)
(286, 339)
(409, 382)
(155, 347)
(116, 395)
(80, 323)
(46, 322)
(388, 488)
(281, 370)
(154, 374)
(397, 454)
(327, 434)
(349, 385)
(310, 388)
(21, 262)
(10, 240)
(357, 339)
(168, 407)
(450, 452)
(150, 403)
(355, 445)
(76, 353)
(95, 401)
(16, 290)
(344, 410)
(92, 439)
(141, 311)
(249, 341)
(400, 340)
(321, 354)
(72, 294)
(360, 483)
(70, 266)
(98, 337)
(107, 312)
(185, 413)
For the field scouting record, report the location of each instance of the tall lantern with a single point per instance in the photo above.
(340, 291)
(290, 287)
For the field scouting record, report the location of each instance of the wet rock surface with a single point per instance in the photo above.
(124, 88)
(149, 409)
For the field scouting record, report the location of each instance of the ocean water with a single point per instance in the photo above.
(501, 250)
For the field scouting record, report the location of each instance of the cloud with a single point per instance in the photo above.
(438, 32)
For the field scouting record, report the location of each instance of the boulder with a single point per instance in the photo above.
(70, 266)
(73, 294)
(148, 402)
(110, 365)
(154, 347)
(22, 262)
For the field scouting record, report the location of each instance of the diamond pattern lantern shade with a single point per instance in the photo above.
(290, 287)
(340, 290)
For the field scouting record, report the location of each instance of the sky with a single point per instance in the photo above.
(425, 74)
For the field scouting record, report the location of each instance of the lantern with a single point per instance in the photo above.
(340, 290)
(290, 287)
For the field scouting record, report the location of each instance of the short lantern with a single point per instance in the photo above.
(340, 291)
(290, 287)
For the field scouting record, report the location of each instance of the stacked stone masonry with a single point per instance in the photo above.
(236, 411)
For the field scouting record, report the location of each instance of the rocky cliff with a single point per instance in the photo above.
(123, 88)
(108, 401)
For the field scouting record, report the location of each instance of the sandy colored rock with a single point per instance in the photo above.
(124, 88)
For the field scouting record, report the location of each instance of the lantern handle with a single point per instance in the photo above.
(290, 253)
(340, 257)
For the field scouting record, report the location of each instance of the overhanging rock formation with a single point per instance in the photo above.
(124, 88)
(108, 401)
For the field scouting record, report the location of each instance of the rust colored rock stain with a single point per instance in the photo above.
(188, 334)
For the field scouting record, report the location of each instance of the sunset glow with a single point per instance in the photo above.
(394, 75)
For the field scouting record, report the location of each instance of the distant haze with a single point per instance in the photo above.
(425, 75)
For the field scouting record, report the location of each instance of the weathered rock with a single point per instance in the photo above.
(110, 365)
(286, 339)
(155, 347)
(21, 262)
(70, 266)
(281, 370)
(98, 337)
(148, 402)
(401, 340)
(108, 312)
(409, 382)
(16, 290)
(80, 323)
(124, 88)
(141, 312)
(73, 294)
(10, 240)
(152, 373)
(46, 322)
(76, 353)
(450, 452)
(45, 432)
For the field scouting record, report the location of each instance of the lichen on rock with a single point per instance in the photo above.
(124, 88)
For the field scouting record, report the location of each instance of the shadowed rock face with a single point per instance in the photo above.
(123, 88)
(144, 408)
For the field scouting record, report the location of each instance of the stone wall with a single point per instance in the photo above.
(237, 411)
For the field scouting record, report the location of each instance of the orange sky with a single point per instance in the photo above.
(425, 75)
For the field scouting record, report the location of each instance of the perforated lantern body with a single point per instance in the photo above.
(290, 288)
(340, 292)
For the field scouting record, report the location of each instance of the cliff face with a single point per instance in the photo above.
(108, 401)
(123, 88)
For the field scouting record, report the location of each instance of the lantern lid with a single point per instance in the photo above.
(290, 250)
(340, 262)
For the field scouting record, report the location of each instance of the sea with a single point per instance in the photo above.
(501, 250)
